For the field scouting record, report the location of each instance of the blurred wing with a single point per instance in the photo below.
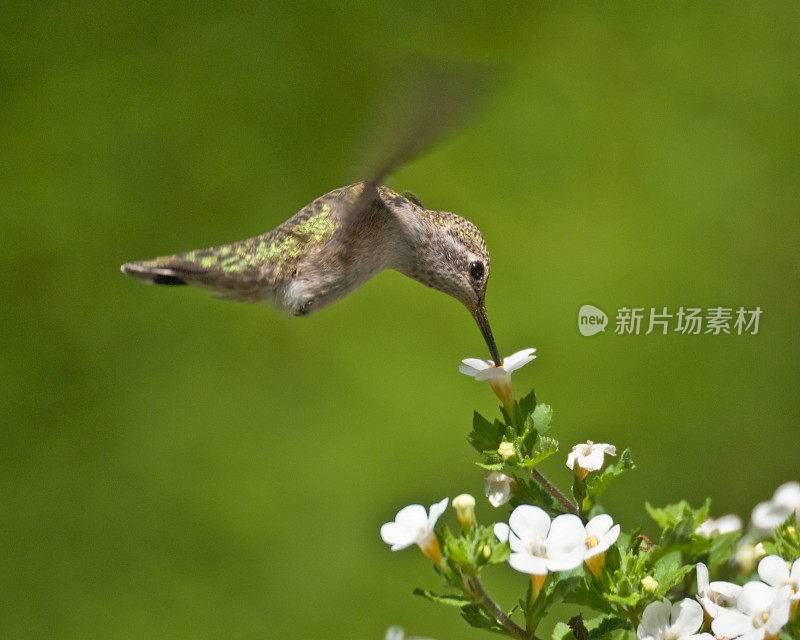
(427, 102)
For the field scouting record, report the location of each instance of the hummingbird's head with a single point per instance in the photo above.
(453, 258)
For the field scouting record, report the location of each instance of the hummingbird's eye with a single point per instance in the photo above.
(476, 270)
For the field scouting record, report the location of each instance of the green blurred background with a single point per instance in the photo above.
(179, 467)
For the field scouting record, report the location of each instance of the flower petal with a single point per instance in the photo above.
(414, 516)
(593, 461)
(774, 570)
(686, 617)
(476, 363)
(526, 563)
(787, 496)
(493, 373)
(702, 579)
(565, 543)
(795, 572)
(611, 537)
(756, 597)
(779, 611)
(655, 618)
(529, 523)
(396, 535)
(501, 531)
(572, 457)
(436, 510)
(598, 526)
(731, 623)
(729, 523)
(518, 359)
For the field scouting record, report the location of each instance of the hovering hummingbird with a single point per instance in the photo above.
(333, 245)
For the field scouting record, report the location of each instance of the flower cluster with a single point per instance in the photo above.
(629, 578)
(540, 545)
(759, 609)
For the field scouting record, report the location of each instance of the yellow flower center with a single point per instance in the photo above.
(590, 541)
(760, 620)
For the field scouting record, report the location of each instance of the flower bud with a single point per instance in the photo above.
(748, 556)
(506, 450)
(650, 584)
(465, 511)
(486, 551)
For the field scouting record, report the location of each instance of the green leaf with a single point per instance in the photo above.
(485, 435)
(723, 548)
(477, 617)
(600, 483)
(602, 625)
(542, 416)
(669, 572)
(678, 523)
(545, 448)
(562, 631)
(494, 466)
(527, 405)
(450, 600)
(586, 596)
(786, 540)
(629, 601)
(672, 514)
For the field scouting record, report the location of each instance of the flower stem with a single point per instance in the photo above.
(508, 624)
(553, 491)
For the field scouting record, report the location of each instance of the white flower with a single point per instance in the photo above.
(499, 377)
(776, 572)
(539, 545)
(601, 533)
(771, 514)
(760, 613)
(589, 457)
(716, 595)
(497, 488)
(723, 525)
(665, 621)
(413, 525)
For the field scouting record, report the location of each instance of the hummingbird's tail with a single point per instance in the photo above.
(155, 274)
(211, 269)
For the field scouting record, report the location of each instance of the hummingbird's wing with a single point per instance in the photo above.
(427, 102)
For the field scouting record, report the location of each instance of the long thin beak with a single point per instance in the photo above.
(486, 331)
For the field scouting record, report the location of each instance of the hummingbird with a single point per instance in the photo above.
(338, 242)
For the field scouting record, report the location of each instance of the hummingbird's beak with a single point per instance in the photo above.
(483, 323)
